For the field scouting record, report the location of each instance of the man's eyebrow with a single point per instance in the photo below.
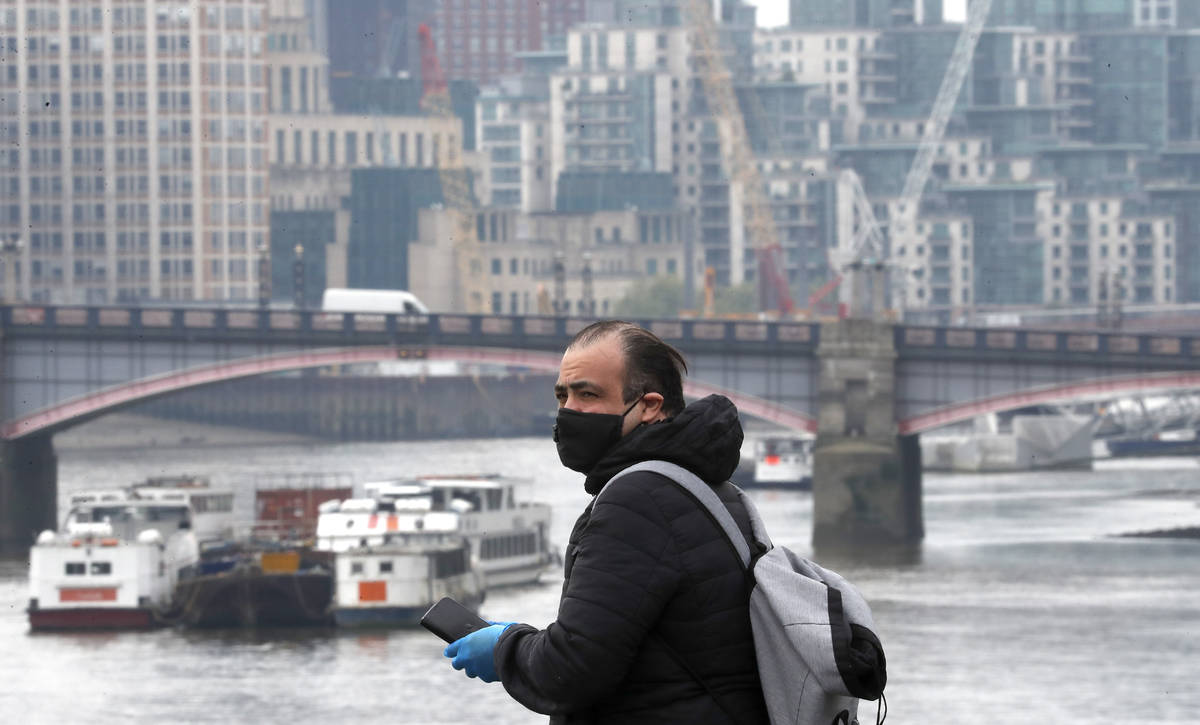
(575, 385)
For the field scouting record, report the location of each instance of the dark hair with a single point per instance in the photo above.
(651, 365)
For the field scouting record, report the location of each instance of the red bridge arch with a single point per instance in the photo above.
(1094, 389)
(107, 399)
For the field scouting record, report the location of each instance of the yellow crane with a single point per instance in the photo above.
(746, 191)
(471, 284)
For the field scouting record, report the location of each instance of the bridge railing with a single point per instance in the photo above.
(338, 326)
(948, 339)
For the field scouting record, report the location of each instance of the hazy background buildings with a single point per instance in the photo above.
(168, 151)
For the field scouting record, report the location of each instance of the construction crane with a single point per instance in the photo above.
(867, 245)
(471, 284)
(867, 248)
(746, 193)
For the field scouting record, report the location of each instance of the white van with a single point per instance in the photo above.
(380, 301)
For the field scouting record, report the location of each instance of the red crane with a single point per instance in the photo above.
(769, 271)
(472, 293)
(433, 80)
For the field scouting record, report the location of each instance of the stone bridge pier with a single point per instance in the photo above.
(866, 478)
(28, 491)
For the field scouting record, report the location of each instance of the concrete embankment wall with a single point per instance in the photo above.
(372, 408)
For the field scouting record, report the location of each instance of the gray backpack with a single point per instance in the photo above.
(813, 633)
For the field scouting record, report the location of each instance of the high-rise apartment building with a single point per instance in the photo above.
(374, 38)
(619, 103)
(326, 165)
(854, 67)
(480, 41)
(812, 14)
(592, 258)
(135, 148)
(477, 41)
(1156, 13)
(513, 118)
(1073, 15)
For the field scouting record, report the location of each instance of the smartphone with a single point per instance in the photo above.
(450, 620)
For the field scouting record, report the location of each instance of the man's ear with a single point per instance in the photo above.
(652, 410)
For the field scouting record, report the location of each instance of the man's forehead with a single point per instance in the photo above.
(596, 363)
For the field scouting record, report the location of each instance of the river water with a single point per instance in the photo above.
(1022, 605)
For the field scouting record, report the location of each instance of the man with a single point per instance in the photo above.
(653, 624)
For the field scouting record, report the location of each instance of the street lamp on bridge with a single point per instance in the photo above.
(11, 249)
(264, 276)
(298, 276)
(561, 306)
(589, 297)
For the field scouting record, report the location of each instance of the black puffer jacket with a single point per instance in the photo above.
(645, 568)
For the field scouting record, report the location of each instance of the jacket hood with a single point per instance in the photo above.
(706, 439)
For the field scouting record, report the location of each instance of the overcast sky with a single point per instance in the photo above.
(775, 12)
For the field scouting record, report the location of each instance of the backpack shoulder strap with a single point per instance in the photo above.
(703, 493)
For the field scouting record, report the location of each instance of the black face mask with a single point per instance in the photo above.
(583, 438)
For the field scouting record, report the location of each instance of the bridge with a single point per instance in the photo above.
(866, 389)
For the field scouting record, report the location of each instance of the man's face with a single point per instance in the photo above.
(591, 378)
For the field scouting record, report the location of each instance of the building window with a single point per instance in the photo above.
(303, 90)
(285, 89)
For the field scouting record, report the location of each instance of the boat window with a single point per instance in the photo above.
(356, 567)
(776, 446)
(76, 568)
(213, 503)
(494, 499)
(449, 563)
(385, 567)
(470, 497)
(101, 568)
(499, 547)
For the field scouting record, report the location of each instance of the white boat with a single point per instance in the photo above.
(393, 584)
(508, 538)
(211, 509)
(779, 462)
(118, 556)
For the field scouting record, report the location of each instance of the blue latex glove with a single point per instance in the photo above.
(473, 653)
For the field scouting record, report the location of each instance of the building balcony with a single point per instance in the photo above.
(600, 96)
(1072, 122)
(600, 142)
(799, 222)
(876, 99)
(572, 118)
(1073, 80)
(1076, 101)
(877, 54)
